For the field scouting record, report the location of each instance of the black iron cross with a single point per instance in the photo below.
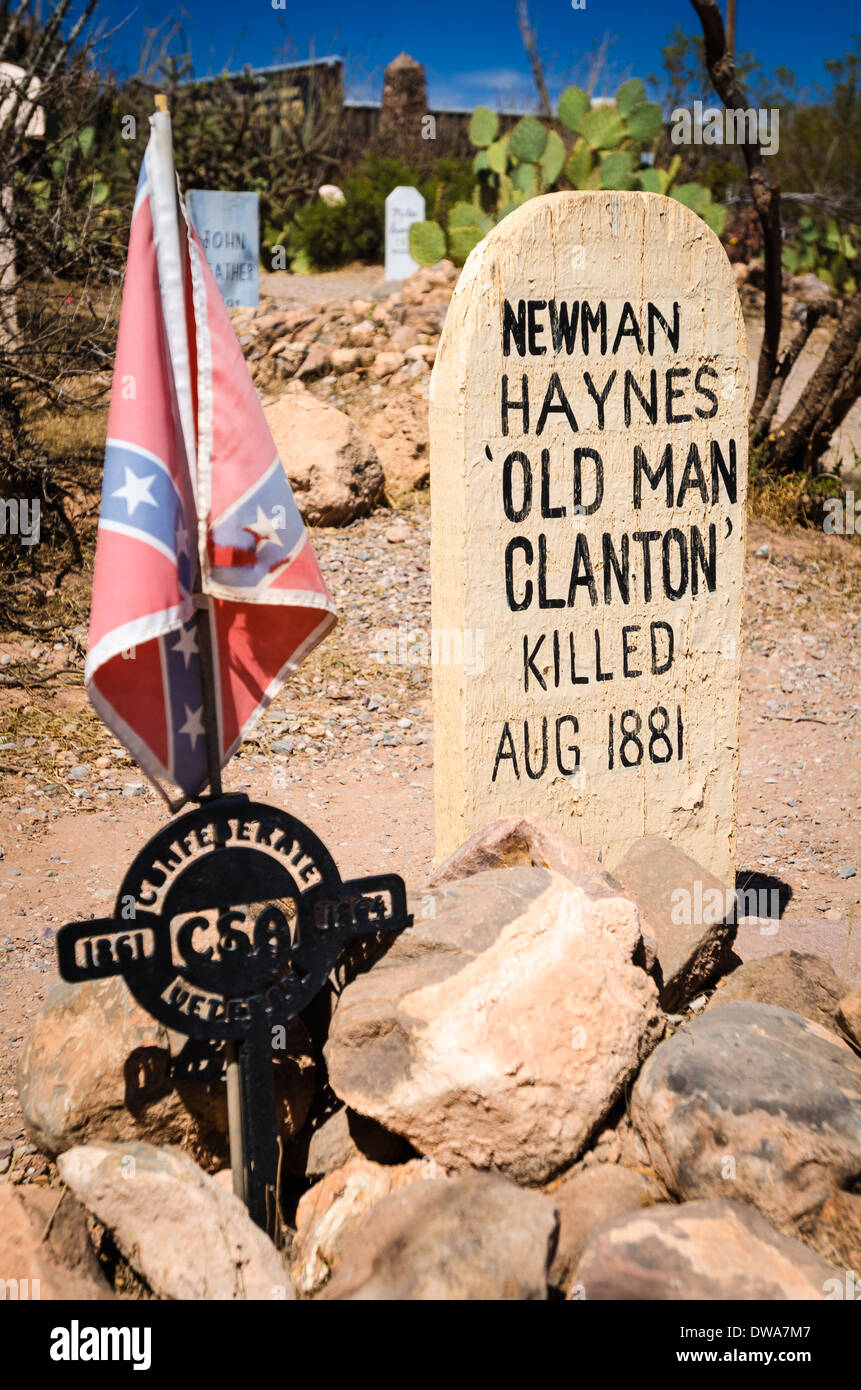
(228, 924)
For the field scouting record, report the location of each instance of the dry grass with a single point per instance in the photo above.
(795, 500)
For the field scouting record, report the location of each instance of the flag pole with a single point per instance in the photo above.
(235, 1120)
(204, 630)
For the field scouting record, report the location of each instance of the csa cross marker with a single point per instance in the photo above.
(228, 923)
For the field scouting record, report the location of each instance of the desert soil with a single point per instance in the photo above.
(348, 748)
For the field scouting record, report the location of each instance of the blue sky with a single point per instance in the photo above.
(471, 50)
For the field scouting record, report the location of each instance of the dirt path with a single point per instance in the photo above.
(324, 287)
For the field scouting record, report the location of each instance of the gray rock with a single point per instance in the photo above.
(752, 1102)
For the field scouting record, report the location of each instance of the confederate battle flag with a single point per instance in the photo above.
(196, 511)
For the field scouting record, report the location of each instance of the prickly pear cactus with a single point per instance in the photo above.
(606, 152)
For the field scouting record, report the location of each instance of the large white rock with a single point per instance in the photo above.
(498, 1031)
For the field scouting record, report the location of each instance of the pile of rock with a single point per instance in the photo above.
(341, 458)
(389, 340)
(532, 1095)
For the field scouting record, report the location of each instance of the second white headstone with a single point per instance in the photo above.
(404, 206)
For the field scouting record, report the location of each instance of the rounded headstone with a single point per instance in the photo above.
(588, 442)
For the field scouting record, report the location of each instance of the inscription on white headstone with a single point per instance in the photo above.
(404, 206)
(229, 229)
(588, 475)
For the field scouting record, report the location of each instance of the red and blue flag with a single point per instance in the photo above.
(196, 511)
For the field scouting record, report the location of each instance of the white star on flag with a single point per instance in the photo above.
(193, 725)
(135, 490)
(182, 540)
(187, 644)
(264, 529)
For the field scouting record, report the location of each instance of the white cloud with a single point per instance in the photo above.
(493, 87)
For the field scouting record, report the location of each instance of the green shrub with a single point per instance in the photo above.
(826, 250)
(323, 237)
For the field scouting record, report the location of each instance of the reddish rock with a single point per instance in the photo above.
(834, 1230)
(683, 908)
(45, 1252)
(476, 1237)
(585, 1201)
(362, 333)
(333, 468)
(385, 363)
(96, 1066)
(849, 1015)
(708, 1251)
(399, 433)
(317, 363)
(805, 985)
(329, 1213)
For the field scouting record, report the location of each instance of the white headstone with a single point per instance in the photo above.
(404, 206)
(228, 225)
(588, 438)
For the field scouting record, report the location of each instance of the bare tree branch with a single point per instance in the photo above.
(827, 398)
(766, 196)
(527, 34)
(761, 424)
